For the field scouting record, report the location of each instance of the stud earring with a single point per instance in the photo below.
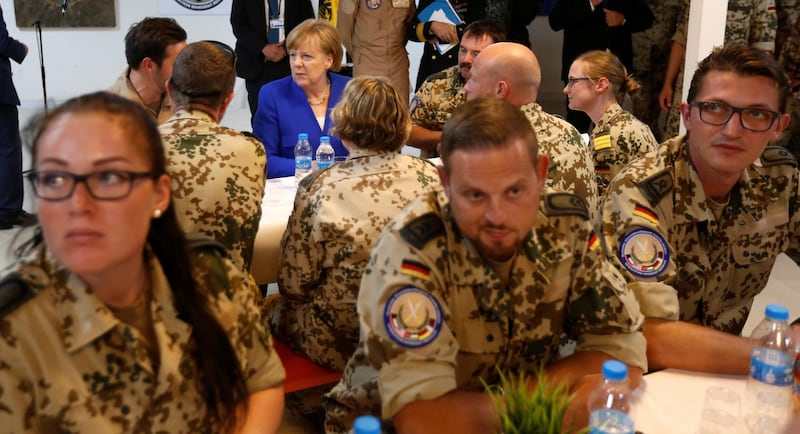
(156, 213)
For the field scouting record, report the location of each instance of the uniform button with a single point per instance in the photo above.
(433, 57)
(125, 409)
(746, 254)
(490, 337)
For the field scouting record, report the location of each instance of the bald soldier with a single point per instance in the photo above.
(511, 71)
(469, 279)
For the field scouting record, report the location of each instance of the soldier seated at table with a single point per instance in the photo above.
(471, 277)
(696, 227)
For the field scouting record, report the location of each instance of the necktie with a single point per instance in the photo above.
(274, 34)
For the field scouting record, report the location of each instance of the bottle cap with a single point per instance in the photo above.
(614, 370)
(367, 425)
(324, 139)
(302, 136)
(777, 312)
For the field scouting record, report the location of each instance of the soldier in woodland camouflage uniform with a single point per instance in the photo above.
(109, 321)
(443, 92)
(650, 49)
(338, 214)
(749, 22)
(511, 71)
(217, 172)
(597, 83)
(787, 50)
(697, 226)
(471, 278)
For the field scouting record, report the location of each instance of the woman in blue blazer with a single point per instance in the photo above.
(301, 103)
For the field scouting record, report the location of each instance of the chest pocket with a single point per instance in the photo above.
(762, 240)
(480, 341)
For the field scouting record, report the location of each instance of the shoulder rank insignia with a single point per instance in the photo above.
(422, 229)
(656, 186)
(14, 291)
(560, 204)
(776, 155)
(413, 317)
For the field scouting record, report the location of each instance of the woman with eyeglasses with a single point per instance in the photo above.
(110, 321)
(597, 83)
(301, 103)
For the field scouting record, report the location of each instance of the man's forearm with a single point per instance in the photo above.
(466, 412)
(424, 138)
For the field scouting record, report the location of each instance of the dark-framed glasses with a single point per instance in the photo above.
(55, 185)
(572, 80)
(750, 118)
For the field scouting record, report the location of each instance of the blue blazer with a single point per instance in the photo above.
(10, 48)
(283, 112)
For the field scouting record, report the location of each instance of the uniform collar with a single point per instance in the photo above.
(604, 124)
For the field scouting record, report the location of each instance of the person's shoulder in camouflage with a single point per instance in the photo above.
(217, 180)
(571, 166)
(617, 139)
(437, 98)
(338, 215)
(752, 22)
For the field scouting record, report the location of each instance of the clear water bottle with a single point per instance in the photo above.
(609, 401)
(768, 394)
(325, 153)
(302, 158)
(367, 425)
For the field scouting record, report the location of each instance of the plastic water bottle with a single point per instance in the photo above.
(367, 425)
(325, 153)
(768, 395)
(609, 401)
(302, 158)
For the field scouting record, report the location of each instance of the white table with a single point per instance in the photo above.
(275, 210)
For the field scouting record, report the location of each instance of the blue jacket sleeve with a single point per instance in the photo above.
(267, 127)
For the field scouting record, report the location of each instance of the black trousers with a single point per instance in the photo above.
(10, 162)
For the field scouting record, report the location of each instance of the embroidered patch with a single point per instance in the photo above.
(415, 269)
(594, 241)
(646, 214)
(373, 4)
(413, 317)
(644, 252)
(602, 142)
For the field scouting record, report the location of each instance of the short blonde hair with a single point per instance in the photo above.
(372, 115)
(319, 32)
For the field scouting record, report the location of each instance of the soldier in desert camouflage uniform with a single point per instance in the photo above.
(217, 172)
(443, 92)
(650, 48)
(109, 323)
(787, 50)
(471, 278)
(749, 22)
(338, 214)
(511, 71)
(696, 228)
(596, 84)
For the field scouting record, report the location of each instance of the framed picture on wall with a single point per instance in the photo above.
(65, 13)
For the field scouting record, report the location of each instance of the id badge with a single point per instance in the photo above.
(276, 24)
(400, 4)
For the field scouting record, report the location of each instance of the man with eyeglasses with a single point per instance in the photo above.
(217, 173)
(696, 226)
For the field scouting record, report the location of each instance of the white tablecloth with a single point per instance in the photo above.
(275, 210)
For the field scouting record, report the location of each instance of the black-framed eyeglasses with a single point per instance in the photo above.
(751, 118)
(56, 185)
(572, 80)
(229, 52)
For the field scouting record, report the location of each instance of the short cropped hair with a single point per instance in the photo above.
(745, 61)
(603, 63)
(203, 73)
(322, 33)
(150, 38)
(372, 115)
(479, 29)
(486, 123)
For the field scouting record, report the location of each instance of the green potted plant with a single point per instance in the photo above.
(540, 411)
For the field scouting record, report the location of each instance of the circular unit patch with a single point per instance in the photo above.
(199, 5)
(644, 252)
(413, 317)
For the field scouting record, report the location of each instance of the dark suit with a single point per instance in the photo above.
(249, 23)
(10, 144)
(586, 30)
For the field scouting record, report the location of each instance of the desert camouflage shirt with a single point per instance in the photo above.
(436, 317)
(337, 218)
(437, 99)
(124, 88)
(217, 180)
(69, 365)
(749, 22)
(651, 46)
(571, 166)
(787, 39)
(681, 261)
(617, 139)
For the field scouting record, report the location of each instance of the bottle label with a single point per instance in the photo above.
(771, 366)
(323, 164)
(609, 421)
(302, 163)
